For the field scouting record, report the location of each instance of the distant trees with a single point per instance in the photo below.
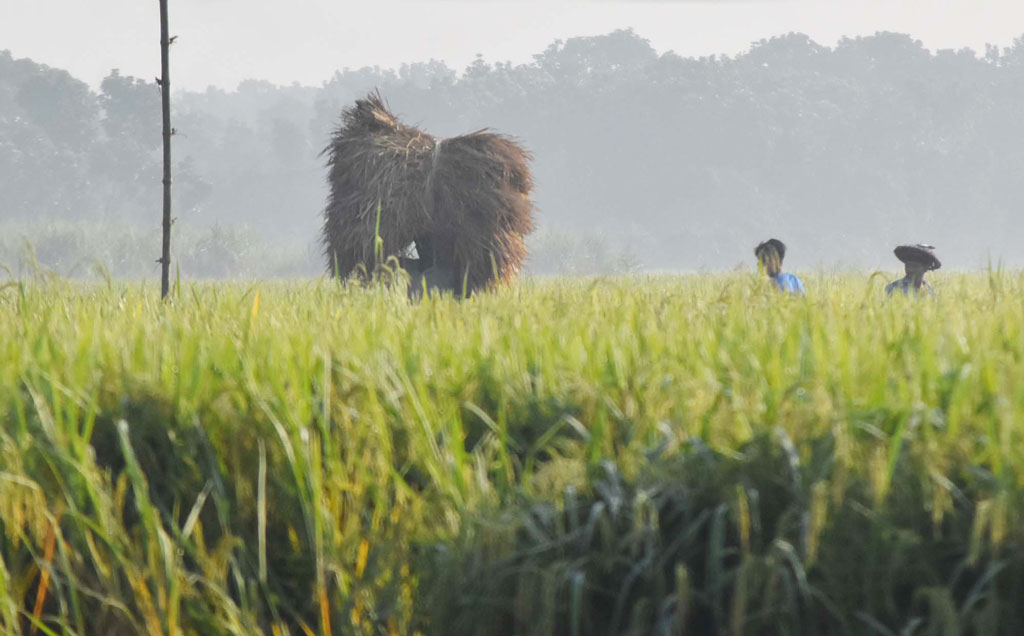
(48, 121)
(690, 161)
(69, 153)
(128, 159)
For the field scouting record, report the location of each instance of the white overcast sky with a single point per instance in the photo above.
(222, 42)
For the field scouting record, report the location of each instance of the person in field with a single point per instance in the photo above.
(917, 260)
(769, 256)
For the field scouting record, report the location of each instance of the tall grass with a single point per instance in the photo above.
(604, 456)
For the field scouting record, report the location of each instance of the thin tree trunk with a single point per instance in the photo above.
(165, 86)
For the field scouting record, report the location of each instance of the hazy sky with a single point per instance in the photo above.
(222, 42)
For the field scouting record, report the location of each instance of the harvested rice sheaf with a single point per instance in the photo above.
(462, 202)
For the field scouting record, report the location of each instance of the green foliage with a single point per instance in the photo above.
(599, 456)
(753, 540)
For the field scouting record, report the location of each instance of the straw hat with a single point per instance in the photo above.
(919, 253)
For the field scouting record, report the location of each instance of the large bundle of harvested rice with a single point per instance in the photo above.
(463, 202)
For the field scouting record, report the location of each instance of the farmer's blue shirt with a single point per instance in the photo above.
(789, 284)
(906, 286)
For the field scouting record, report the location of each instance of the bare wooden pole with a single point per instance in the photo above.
(165, 92)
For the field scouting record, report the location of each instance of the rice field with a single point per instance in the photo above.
(635, 455)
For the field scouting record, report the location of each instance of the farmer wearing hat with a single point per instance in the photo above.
(769, 255)
(917, 259)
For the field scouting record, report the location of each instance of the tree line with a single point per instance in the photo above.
(842, 151)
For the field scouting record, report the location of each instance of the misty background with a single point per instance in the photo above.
(643, 160)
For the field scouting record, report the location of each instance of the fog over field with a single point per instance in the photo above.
(667, 136)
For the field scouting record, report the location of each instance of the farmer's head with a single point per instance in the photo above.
(770, 254)
(917, 259)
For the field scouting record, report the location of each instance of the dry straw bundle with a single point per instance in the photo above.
(463, 202)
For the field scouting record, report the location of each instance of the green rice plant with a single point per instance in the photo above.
(690, 454)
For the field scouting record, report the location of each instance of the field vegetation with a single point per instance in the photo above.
(626, 455)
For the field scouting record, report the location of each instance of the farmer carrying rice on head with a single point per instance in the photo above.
(769, 256)
(462, 204)
(917, 259)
